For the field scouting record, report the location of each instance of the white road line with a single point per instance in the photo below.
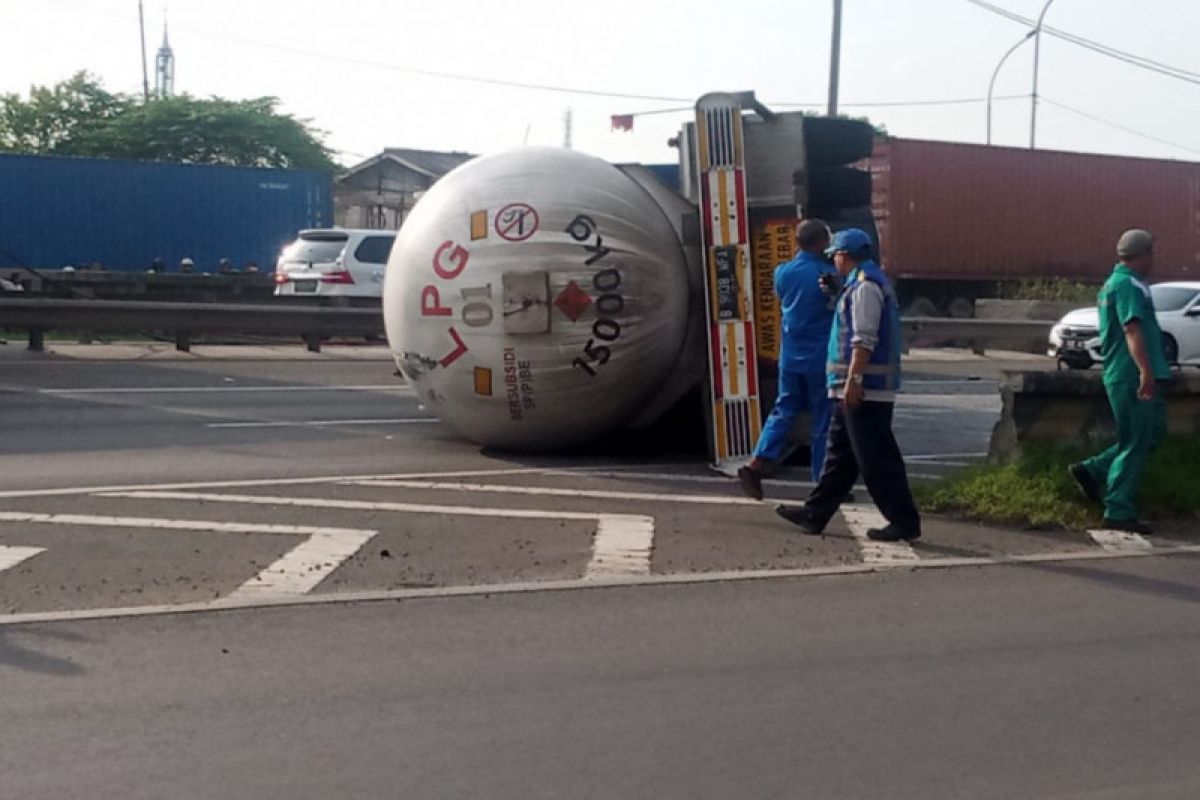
(11, 556)
(319, 479)
(298, 571)
(1121, 541)
(940, 456)
(246, 483)
(546, 491)
(301, 569)
(859, 518)
(357, 505)
(615, 582)
(622, 543)
(97, 520)
(621, 546)
(666, 477)
(201, 389)
(320, 423)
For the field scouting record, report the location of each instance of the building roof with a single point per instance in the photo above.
(434, 163)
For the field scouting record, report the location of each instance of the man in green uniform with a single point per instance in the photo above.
(1134, 362)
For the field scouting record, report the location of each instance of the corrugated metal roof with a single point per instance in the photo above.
(432, 162)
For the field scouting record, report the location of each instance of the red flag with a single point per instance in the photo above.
(622, 122)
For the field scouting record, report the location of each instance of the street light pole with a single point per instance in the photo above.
(992, 83)
(835, 58)
(1037, 51)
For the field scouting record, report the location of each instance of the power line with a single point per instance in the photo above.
(1118, 126)
(875, 104)
(1120, 55)
(546, 87)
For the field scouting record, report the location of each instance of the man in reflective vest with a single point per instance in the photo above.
(806, 315)
(863, 375)
(1134, 363)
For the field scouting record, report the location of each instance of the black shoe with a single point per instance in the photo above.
(751, 480)
(1086, 483)
(892, 534)
(1127, 525)
(803, 518)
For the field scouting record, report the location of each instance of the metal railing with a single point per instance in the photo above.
(313, 323)
(182, 321)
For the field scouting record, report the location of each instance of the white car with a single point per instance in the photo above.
(1075, 340)
(339, 262)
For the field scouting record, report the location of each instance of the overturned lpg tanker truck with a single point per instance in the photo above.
(541, 298)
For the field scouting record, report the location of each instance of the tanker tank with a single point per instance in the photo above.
(539, 298)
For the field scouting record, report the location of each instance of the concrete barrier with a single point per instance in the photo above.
(1071, 407)
(1026, 309)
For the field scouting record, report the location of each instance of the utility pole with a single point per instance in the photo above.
(568, 125)
(835, 58)
(145, 71)
(1037, 52)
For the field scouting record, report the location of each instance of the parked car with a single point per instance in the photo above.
(334, 262)
(1075, 340)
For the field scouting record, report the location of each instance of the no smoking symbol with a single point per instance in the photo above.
(516, 222)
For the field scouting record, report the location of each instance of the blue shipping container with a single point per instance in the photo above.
(56, 211)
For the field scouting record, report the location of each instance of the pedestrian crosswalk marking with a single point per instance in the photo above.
(1120, 541)
(298, 571)
(11, 556)
(621, 545)
(861, 518)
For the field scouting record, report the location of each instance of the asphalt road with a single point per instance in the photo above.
(482, 658)
(1066, 681)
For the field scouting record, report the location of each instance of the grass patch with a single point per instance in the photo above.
(1035, 491)
(1053, 289)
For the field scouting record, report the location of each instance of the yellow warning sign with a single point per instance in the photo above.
(483, 381)
(773, 242)
(479, 226)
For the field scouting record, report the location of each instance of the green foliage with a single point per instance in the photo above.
(1053, 289)
(1036, 491)
(78, 117)
(54, 116)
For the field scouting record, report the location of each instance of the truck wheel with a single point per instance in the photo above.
(961, 308)
(922, 307)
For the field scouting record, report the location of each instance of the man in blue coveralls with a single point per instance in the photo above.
(806, 311)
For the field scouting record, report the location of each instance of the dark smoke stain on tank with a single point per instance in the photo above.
(414, 366)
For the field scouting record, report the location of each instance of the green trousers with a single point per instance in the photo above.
(1141, 427)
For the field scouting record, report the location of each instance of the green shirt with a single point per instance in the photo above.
(1124, 298)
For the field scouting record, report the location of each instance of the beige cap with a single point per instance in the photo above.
(1134, 242)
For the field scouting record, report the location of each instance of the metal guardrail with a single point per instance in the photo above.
(312, 323)
(184, 320)
(978, 334)
(921, 329)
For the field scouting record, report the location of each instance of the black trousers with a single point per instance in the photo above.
(861, 441)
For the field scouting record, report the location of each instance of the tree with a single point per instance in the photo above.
(249, 133)
(54, 115)
(79, 117)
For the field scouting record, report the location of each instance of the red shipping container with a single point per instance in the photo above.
(949, 211)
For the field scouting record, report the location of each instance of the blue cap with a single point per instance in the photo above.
(851, 240)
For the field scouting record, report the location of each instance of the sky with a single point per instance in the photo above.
(355, 68)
